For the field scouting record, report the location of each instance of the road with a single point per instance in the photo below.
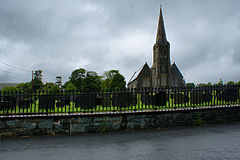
(214, 142)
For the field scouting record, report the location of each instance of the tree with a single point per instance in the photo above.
(69, 86)
(24, 87)
(110, 74)
(92, 82)
(36, 84)
(118, 82)
(220, 82)
(77, 78)
(108, 77)
(113, 80)
(66, 84)
(230, 83)
(9, 89)
(209, 84)
(190, 85)
(50, 87)
(85, 81)
(201, 85)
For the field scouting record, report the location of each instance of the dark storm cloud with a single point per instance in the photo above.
(202, 36)
(60, 36)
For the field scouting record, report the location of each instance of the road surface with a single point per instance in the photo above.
(214, 142)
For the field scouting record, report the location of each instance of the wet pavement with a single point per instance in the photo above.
(214, 142)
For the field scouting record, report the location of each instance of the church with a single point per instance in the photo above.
(162, 73)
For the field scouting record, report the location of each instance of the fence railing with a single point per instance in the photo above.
(146, 99)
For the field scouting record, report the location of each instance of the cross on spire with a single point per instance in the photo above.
(161, 3)
(161, 35)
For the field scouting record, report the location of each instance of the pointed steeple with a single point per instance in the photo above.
(161, 35)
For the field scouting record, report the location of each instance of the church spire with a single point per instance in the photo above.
(161, 35)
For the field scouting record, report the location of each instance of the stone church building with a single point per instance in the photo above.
(162, 73)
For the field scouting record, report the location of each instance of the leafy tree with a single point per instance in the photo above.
(108, 77)
(77, 78)
(190, 85)
(118, 82)
(201, 85)
(220, 82)
(36, 84)
(51, 87)
(24, 87)
(110, 74)
(230, 83)
(209, 84)
(238, 82)
(9, 89)
(66, 84)
(84, 81)
(113, 80)
(69, 86)
(92, 81)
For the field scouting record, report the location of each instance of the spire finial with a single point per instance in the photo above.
(161, 3)
(161, 35)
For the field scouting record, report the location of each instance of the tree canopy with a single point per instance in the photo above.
(84, 80)
(51, 87)
(190, 85)
(113, 80)
(36, 84)
(69, 86)
(92, 81)
(87, 81)
(77, 78)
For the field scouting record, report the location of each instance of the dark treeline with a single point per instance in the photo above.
(80, 79)
(220, 82)
(87, 81)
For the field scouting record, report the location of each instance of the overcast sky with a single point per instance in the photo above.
(60, 36)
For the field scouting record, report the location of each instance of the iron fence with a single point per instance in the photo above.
(135, 100)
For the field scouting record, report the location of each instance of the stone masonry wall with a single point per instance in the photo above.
(104, 123)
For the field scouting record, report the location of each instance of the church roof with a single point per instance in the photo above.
(175, 70)
(137, 73)
(161, 34)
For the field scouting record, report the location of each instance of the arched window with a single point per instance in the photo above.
(165, 53)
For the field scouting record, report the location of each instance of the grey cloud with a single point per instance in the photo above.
(59, 37)
(236, 53)
(5, 76)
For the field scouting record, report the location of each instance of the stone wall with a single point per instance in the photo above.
(104, 123)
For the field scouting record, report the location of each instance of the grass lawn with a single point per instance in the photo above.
(171, 103)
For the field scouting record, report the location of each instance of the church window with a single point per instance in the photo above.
(165, 52)
(144, 83)
(163, 81)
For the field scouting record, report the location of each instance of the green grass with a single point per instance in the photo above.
(171, 104)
